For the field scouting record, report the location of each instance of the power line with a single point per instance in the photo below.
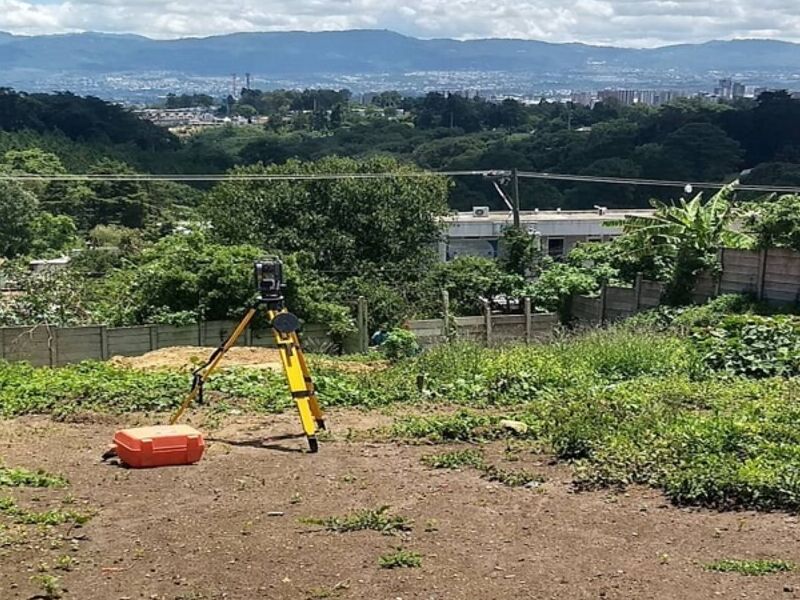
(144, 177)
(656, 182)
(493, 174)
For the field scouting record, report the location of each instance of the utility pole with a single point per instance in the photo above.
(515, 198)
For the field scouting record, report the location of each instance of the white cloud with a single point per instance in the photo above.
(618, 22)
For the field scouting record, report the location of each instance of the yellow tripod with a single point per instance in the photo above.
(284, 328)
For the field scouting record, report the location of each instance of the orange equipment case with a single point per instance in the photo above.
(159, 446)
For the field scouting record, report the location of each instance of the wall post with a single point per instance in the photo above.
(603, 302)
(721, 274)
(153, 337)
(361, 321)
(487, 316)
(104, 348)
(637, 292)
(52, 344)
(528, 320)
(762, 272)
(446, 330)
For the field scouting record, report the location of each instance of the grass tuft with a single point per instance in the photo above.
(24, 478)
(474, 459)
(752, 567)
(457, 459)
(400, 559)
(369, 519)
(51, 517)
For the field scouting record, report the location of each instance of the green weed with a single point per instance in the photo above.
(751, 567)
(65, 563)
(19, 477)
(454, 460)
(473, 458)
(464, 426)
(372, 519)
(51, 517)
(49, 585)
(510, 477)
(400, 559)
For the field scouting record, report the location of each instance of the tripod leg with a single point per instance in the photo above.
(300, 385)
(308, 421)
(319, 417)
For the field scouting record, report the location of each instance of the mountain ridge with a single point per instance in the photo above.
(385, 56)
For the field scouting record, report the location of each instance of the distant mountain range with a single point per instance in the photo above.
(303, 55)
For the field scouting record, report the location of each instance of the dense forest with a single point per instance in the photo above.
(686, 140)
(158, 251)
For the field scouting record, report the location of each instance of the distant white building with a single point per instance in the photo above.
(478, 233)
(49, 265)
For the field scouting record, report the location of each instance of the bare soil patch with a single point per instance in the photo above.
(189, 357)
(230, 526)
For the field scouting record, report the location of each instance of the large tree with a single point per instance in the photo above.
(347, 224)
(18, 208)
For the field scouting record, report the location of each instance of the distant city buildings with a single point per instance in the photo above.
(192, 118)
(628, 97)
(728, 89)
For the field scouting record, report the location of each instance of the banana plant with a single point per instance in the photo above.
(695, 226)
(688, 234)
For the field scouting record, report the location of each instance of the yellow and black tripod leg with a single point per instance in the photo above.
(202, 373)
(301, 386)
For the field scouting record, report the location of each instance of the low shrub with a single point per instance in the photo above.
(400, 344)
(752, 346)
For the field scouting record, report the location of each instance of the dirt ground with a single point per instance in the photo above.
(229, 527)
(189, 357)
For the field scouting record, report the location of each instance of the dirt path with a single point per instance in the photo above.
(205, 532)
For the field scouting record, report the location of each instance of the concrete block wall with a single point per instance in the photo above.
(501, 330)
(771, 275)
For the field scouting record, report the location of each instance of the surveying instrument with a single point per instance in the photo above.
(285, 325)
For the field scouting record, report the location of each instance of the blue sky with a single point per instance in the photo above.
(617, 22)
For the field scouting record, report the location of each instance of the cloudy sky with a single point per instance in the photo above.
(617, 22)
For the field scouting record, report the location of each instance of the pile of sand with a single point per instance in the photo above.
(188, 358)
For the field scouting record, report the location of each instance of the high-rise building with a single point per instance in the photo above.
(624, 97)
(582, 98)
(725, 89)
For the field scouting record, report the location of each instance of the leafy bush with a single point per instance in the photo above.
(752, 346)
(469, 280)
(776, 223)
(400, 343)
(555, 285)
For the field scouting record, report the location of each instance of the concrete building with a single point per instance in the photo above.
(623, 97)
(478, 233)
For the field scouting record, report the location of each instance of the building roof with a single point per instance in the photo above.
(528, 216)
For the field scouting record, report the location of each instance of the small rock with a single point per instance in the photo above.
(516, 426)
(275, 513)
